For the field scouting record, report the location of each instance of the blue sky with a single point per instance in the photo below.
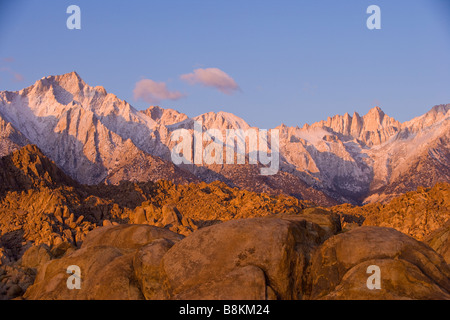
(294, 62)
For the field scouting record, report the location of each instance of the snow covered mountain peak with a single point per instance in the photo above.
(373, 128)
(433, 117)
(222, 120)
(94, 136)
(164, 117)
(71, 82)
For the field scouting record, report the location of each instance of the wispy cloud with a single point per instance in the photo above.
(8, 59)
(154, 92)
(17, 77)
(212, 77)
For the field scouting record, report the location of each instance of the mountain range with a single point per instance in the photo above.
(95, 137)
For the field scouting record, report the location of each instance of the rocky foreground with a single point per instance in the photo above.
(304, 256)
(210, 241)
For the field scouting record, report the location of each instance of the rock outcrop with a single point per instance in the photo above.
(439, 240)
(269, 255)
(408, 268)
(303, 256)
(106, 260)
(277, 249)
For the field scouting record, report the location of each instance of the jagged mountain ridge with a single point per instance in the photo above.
(96, 137)
(85, 130)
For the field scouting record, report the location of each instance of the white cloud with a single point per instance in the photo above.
(212, 77)
(154, 92)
